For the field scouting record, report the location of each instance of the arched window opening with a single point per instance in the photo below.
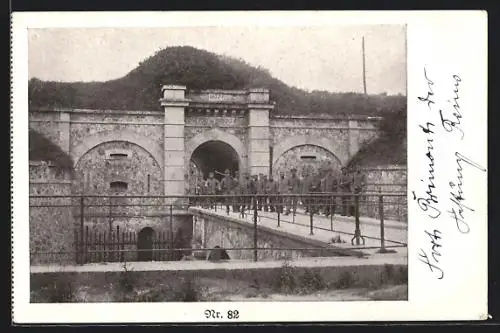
(118, 186)
(118, 155)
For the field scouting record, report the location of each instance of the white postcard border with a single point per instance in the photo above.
(455, 39)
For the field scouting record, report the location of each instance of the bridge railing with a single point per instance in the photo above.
(103, 228)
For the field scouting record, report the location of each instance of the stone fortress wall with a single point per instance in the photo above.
(149, 152)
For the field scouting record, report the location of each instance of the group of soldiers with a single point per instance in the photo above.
(286, 193)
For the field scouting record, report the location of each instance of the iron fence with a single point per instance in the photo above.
(93, 220)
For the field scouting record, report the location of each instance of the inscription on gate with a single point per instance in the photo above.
(217, 98)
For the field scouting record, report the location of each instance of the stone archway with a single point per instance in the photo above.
(295, 141)
(216, 149)
(215, 156)
(307, 159)
(153, 148)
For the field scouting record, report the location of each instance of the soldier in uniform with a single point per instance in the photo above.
(245, 190)
(358, 184)
(212, 186)
(303, 180)
(345, 188)
(306, 182)
(259, 190)
(282, 190)
(264, 197)
(200, 188)
(253, 191)
(226, 185)
(191, 187)
(330, 185)
(235, 190)
(314, 187)
(294, 187)
(271, 191)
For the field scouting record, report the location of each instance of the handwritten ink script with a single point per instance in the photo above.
(443, 118)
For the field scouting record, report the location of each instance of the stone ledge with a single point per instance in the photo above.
(200, 212)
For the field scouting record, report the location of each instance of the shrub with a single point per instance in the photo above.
(346, 280)
(126, 280)
(287, 281)
(61, 290)
(310, 282)
(189, 291)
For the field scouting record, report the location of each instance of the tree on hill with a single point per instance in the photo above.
(389, 148)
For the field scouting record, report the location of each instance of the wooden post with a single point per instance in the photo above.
(311, 214)
(171, 235)
(82, 211)
(87, 241)
(104, 255)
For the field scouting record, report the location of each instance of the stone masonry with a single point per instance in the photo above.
(142, 152)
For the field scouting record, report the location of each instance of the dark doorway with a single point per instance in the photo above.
(145, 244)
(215, 156)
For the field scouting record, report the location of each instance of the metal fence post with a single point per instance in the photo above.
(357, 231)
(255, 254)
(382, 227)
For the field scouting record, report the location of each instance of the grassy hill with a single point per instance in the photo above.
(389, 148)
(199, 69)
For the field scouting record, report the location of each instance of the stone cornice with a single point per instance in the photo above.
(259, 106)
(96, 111)
(174, 103)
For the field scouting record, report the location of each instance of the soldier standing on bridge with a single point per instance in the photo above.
(306, 182)
(235, 191)
(358, 184)
(345, 188)
(191, 187)
(293, 188)
(329, 187)
(254, 183)
(282, 190)
(245, 190)
(260, 191)
(212, 186)
(264, 197)
(271, 192)
(314, 187)
(226, 185)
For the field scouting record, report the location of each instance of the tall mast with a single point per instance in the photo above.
(364, 68)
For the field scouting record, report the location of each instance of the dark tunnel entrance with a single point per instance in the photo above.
(215, 156)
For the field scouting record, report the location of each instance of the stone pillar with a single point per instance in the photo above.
(64, 131)
(353, 135)
(173, 103)
(258, 131)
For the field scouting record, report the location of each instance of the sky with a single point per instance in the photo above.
(311, 58)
